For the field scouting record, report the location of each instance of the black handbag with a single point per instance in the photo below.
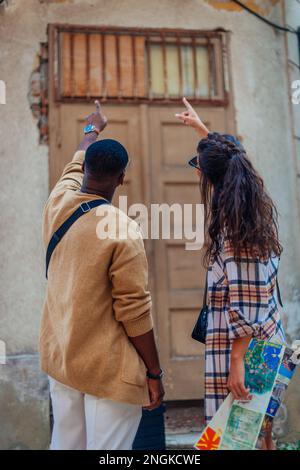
(200, 329)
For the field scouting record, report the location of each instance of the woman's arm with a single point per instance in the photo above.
(248, 314)
(191, 118)
(236, 378)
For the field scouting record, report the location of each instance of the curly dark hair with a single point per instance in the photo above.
(236, 203)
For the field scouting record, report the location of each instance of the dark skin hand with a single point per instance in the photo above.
(99, 121)
(146, 347)
(107, 186)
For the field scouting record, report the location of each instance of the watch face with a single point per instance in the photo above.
(88, 128)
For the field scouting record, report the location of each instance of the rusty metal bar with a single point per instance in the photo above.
(149, 81)
(58, 77)
(72, 65)
(142, 100)
(165, 70)
(139, 31)
(210, 69)
(178, 43)
(135, 77)
(87, 65)
(119, 85)
(103, 54)
(215, 79)
(195, 71)
(224, 65)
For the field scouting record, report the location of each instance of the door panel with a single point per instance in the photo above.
(123, 126)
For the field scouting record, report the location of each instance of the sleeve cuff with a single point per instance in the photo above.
(139, 326)
(78, 156)
(240, 327)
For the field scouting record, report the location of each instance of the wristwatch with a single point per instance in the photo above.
(90, 128)
(155, 376)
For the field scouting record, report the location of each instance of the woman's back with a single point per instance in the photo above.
(242, 301)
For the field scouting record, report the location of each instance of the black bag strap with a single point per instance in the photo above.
(277, 287)
(62, 230)
(204, 304)
(278, 293)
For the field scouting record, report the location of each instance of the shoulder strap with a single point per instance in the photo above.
(277, 287)
(204, 304)
(278, 293)
(62, 230)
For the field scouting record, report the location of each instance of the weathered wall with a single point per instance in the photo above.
(289, 417)
(263, 120)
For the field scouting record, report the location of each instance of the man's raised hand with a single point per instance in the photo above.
(97, 118)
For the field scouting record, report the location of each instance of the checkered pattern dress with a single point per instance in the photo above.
(242, 300)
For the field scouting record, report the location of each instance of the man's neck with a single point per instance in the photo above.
(105, 193)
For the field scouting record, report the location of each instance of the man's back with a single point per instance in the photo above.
(96, 298)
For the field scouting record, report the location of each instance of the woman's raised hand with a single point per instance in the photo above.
(191, 118)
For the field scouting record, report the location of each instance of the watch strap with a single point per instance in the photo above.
(155, 376)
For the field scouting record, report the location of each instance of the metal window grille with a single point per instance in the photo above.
(139, 65)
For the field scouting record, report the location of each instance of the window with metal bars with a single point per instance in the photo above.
(140, 65)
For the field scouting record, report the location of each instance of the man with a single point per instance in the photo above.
(96, 340)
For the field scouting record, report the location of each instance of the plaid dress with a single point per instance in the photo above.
(242, 300)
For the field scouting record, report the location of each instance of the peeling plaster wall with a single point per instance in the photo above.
(260, 86)
(290, 421)
(262, 7)
(292, 18)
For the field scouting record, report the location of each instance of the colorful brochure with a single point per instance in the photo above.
(237, 425)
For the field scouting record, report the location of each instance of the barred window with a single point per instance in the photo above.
(139, 65)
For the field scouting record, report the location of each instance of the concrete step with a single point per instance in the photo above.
(184, 422)
(182, 440)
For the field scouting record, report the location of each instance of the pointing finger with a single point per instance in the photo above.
(187, 104)
(98, 107)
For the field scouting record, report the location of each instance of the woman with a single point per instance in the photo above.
(242, 257)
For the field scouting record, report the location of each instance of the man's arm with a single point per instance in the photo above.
(87, 140)
(72, 175)
(146, 347)
(132, 307)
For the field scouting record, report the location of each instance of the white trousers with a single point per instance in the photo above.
(86, 422)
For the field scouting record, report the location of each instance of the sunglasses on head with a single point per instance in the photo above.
(194, 163)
